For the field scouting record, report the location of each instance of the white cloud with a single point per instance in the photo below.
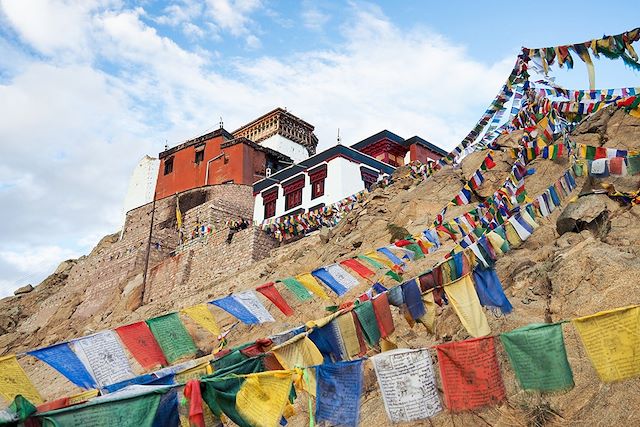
(71, 131)
(37, 258)
(313, 18)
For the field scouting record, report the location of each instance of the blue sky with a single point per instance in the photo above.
(88, 87)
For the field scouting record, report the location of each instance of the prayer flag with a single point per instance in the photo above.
(202, 316)
(141, 343)
(407, 384)
(339, 386)
(14, 381)
(341, 275)
(245, 307)
(538, 357)
(103, 356)
(366, 315)
(300, 352)
(172, 336)
(323, 275)
(61, 358)
(489, 289)
(392, 257)
(382, 310)
(470, 374)
(348, 333)
(126, 408)
(271, 293)
(312, 285)
(296, 288)
(262, 397)
(413, 298)
(358, 267)
(465, 302)
(612, 341)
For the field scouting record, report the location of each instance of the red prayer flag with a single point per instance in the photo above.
(194, 396)
(259, 347)
(601, 153)
(470, 374)
(383, 315)
(358, 267)
(271, 293)
(141, 343)
(488, 162)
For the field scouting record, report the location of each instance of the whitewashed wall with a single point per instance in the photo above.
(287, 147)
(343, 179)
(142, 184)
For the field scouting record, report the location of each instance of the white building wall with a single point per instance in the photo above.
(287, 147)
(343, 179)
(142, 184)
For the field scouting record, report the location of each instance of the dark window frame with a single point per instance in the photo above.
(317, 177)
(199, 157)
(293, 192)
(168, 165)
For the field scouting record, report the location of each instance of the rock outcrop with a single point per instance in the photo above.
(581, 260)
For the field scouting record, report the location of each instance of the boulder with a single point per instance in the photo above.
(23, 290)
(587, 213)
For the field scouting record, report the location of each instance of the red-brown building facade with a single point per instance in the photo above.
(396, 151)
(220, 157)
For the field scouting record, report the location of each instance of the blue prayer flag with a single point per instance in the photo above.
(489, 289)
(338, 390)
(237, 310)
(323, 275)
(394, 259)
(413, 298)
(61, 358)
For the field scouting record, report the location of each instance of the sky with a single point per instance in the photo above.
(88, 87)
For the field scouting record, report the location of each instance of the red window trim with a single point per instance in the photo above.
(293, 185)
(267, 205)
(369, 175)
(320, 193)
(297, 194)
(318, 173)
(269, 195)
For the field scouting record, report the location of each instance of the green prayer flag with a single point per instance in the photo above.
(367, 318)
(538, 357)
(135, 409)
(19, 410)
(590, 152)
(633, 165)
(297, 288)
(395, 276)
(416, 249)
(172, 336)
(371, 261)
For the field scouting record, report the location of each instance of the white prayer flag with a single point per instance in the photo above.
(251, 302)
(103, 356)
(407, 384)
(342, 276)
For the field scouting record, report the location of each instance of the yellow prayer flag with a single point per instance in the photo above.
(263, 397)
(178, 215)
(512, 236)
(202, 316)
(83, 397)
(14, 381)
(300, 352)
(429, 319)
(464, 299)
(612, 341)
(194, 373)
(582, 151)
(349, 334)
(496, 242)
(374, 255)
(312, 285)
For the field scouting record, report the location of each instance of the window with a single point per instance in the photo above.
(199, 156)
(269, 198)
(317, 189)
(269, 209)
(293, 199)
(317, 177)
(168, 166)
(293, 192)
(369, 177)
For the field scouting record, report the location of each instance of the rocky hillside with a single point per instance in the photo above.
(582, 259)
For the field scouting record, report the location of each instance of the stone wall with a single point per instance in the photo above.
(201, 262)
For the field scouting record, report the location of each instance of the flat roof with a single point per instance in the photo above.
(207, 136)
